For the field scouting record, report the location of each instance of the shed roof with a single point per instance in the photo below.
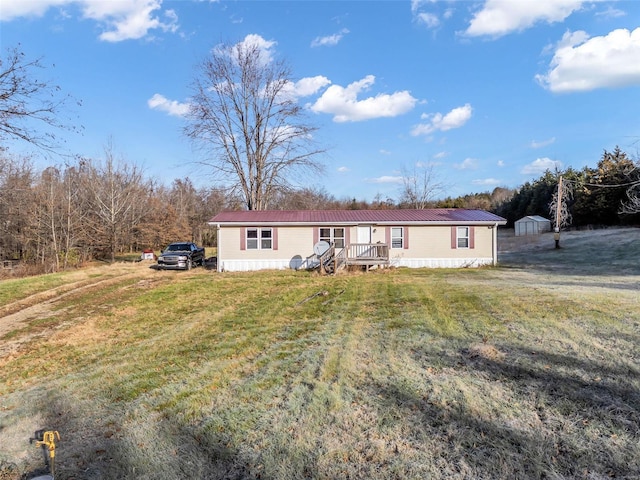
(535, 218)
(442, 216)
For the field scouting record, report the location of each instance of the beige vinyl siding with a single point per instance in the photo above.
(429, 246)
(378, 235)
(424, 241)
(292, 241)
(435, 242)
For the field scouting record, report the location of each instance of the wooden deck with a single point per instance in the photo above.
(365, 254)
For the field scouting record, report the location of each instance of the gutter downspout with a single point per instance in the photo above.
(494, 236)
(218, 263)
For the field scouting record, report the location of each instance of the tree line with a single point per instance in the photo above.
(604, 195)
(90, 209)
(254, 141)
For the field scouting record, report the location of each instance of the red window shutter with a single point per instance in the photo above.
(454, 237)
(472, 237)
(275, 238)
(243, 239)
(405, 231)
(347, 236)
(316, 235)
(387, 236)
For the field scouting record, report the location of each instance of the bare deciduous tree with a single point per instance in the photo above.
(632, 205)
(558, 207)
(160, 225)
(73, 217)
(185, 199)
(115, 194)
(48, 220)
(420, 186)
(251, 127)
(16, 204)
(308, 198)
(23, 99)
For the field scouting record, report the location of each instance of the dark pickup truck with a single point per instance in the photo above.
(181, 256)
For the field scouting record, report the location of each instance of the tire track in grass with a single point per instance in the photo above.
(15, 328)
(68, 281)
(308, 426)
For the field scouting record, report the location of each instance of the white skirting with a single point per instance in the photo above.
(275, 264)
(251, 265)
(441, 262)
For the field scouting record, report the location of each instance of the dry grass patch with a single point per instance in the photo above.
(486, 352)
(505, 373)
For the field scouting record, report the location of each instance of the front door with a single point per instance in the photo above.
(364, 234)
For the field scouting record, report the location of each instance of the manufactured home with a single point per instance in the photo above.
(330, 239)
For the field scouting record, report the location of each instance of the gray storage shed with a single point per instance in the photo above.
(532, 225)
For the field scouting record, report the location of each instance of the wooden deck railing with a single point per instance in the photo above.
(366, 254)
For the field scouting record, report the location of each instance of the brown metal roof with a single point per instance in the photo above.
(337, 217)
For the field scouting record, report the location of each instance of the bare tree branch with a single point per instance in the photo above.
(28, 104)
(420, 186)
(632, 205)
(250, 127)
(560, 213)
(115, 188)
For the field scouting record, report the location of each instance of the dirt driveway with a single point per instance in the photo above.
(39, 314)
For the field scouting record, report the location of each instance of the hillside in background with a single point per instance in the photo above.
(605, 251)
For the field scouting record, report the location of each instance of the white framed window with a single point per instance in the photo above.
(463, 237)
(259, 238)
(266, 239)
(397, 237)
(333, 235)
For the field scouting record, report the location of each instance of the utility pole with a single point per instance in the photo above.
(556, 235)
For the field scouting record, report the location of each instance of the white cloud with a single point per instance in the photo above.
(611, 12)
(344, 169)
(306, 86)
(417, 4)
(542, 143)
(467, 164)
(456, 118)
(172, 107)
(330, 40)
(501, 17)
(581, 63)
(28, 8)
(121, 20)
(486, 181)
(255, 40)
(129, 20)
(385, 179)
(343, 103)
(500, 163)
(385, 152)
(541, 165)
(429, 19)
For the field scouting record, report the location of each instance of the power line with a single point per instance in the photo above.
(605, 185)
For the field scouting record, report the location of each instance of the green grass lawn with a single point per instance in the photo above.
(497, 373)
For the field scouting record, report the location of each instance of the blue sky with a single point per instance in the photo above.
(486, 93)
